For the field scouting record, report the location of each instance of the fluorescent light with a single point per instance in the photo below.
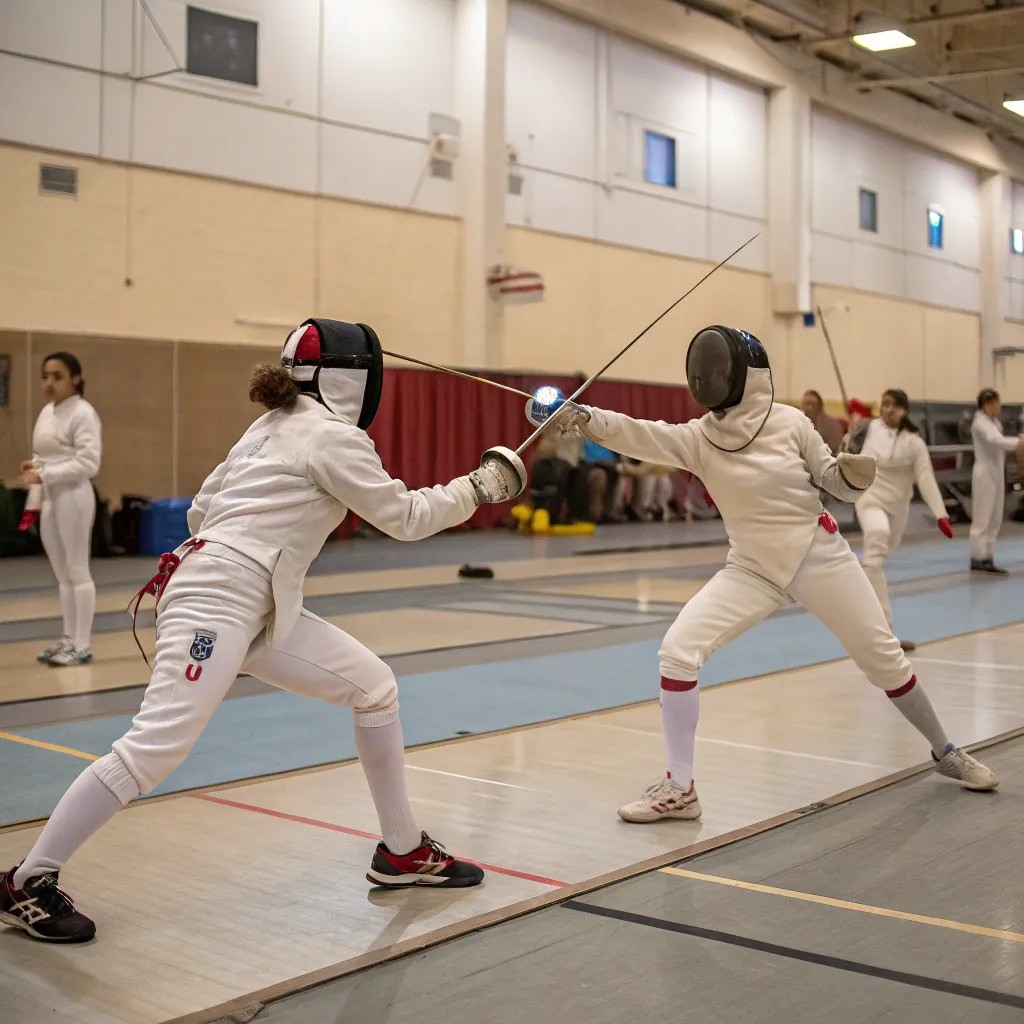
(890, 39)
(1014, 106)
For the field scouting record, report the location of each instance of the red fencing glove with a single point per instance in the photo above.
(944, 527)
(29, 520)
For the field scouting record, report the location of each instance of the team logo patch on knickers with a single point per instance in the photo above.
(202, 645)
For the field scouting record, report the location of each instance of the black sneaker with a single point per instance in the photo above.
(428, 864)
(987, 565)
(42, 910)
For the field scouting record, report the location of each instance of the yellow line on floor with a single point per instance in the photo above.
(863, 908)
(48, 746)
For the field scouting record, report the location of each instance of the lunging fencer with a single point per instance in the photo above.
(901, 460)
(988, 480)
(230, 599)
(66, 451)
(763, 465)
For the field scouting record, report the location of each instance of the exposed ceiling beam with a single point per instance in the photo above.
(933, 19)
(948, 76)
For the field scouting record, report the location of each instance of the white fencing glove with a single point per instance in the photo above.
(859, 470)
(568, 421)
(501, 476)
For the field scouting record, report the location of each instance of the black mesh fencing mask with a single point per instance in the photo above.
(716, 365)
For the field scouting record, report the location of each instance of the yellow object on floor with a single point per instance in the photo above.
(539, 521)
(574, 529)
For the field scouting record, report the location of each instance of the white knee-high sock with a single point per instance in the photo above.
(85, 609)
(382, 755)
(913, 704)
(82, 811)
(67, 609)
(680, 707)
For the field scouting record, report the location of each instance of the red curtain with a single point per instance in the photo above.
(431, 427)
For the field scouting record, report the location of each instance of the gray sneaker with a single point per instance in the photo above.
(51, 652)
(69, 657)
(957, 764)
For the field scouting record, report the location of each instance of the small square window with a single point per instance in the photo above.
(221, 47)
(935, 219)
(868, 210)
(1017, 241)
(659, 159)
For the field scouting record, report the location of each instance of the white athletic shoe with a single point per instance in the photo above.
(51, 652)
(660, 800)
(958, 764)
(69, 657)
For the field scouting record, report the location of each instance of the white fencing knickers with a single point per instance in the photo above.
(210, 625)
(883, 532)
(65, 528)
(988, 501)
(830, 584)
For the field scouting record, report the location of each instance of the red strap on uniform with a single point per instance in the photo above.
(827, 523)
(169, 561)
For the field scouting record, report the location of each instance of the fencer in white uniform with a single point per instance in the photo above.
(988, 481)
(901, 461)
(231, 599)
(66, 452)
(763, 465)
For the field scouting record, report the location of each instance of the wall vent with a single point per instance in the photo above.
(58, 181)
(441, 168)
(515, 184)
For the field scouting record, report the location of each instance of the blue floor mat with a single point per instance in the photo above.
(276, 732)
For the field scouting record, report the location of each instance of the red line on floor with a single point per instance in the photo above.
(363, 835)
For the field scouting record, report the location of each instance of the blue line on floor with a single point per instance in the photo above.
(277, 732)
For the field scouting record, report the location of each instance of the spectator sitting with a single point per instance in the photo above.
(830, 428)
(600, 475)
(550, 482)
(652, 489)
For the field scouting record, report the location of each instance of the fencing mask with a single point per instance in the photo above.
(338, 364)
(716, 366)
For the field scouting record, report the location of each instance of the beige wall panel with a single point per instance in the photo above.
(205, 253)
(599, 296)
(396, 271)
(952, 356)
(214, 406)
(62, 262)
(15, 443)
(129, 383)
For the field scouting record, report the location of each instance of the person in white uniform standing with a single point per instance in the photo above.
(988, 480)
(66, 451)
(763, 465)
(231, 598)
(901, 461)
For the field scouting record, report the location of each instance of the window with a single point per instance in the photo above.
(659, 159)
(868, 210)
(221, 47)
(935, 219)
(1017, 241)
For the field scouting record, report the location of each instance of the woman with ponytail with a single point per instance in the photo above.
(66, 446)
(902, 460)
(231, 598)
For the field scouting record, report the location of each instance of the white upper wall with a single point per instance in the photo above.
(360, 133)
(896, 260)
(578, 102)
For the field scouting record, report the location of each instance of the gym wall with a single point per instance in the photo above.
(213, 214)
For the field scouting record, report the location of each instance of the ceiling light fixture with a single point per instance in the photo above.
(876, 32)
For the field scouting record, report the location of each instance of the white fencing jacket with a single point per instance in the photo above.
(66, 447)
(901, 460)
(289, 482)
(762, 464)
(991, 447)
